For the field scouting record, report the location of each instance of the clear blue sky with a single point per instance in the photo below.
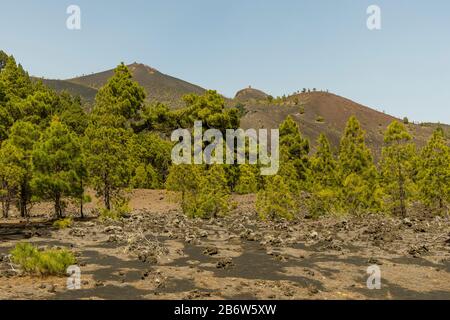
(277, 46)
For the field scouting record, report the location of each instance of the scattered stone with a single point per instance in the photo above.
(112, 229)
(309, 272)
(417, 251)
(373, 260)
(52, 288)
(203, 234)
(210, 251)
(77, 232)
(407, 222)
(312, 290)
(313, 235)
(225, 263)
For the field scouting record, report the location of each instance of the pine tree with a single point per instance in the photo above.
(397, 168)
(247, 182)
(16, 80)
(11, 174)
(213, 197)
(294, 149)
(55, 160)
(210, 109)
(204, 192)
(323, 165)
(276, 200)
(23, 136)
(324, 191)
(151, 158)
(434, 172)
(357, 172)
(108, 160)
(3, 59)
(185, 179)
(120, 98)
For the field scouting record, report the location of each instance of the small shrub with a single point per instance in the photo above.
(276, 201)
(320, 119)
(63, 223)
(120, 208)
(46, 262)
(302, 110)
(322, 202)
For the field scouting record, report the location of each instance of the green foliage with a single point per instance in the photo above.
(205, 193)
(120, 208)
(301, 110)
(121, 99)
(210, 109)
(357, 173)
(151, 158)
(55, 160)
(276, 200)
(323, 201)
(185, 179)
(248, 182)
(3, 59)
(398, 168)
(11, 174)
(45, 262)
(159, 117)
(212, 199)
(108, 160)
(323, 165)
(23, 137)
(63, 223)
(16, 80)
(434, 172)
(320, 119)
(324, 190)
(72, 114)
(294, 149)
(39, 107)
(358, 197)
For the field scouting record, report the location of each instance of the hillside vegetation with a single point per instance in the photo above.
(52, 150)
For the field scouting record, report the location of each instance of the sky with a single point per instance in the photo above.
(278, 46)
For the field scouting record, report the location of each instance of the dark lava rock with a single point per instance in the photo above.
(210, 251)
(225, 263)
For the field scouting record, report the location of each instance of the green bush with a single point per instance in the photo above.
(276, 201)
(120, 208)
(45, 262)
(63, 223)
(320, 119)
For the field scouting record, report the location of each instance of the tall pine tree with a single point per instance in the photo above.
(434, 172)
(55, 160)
(397, 168)
(357, 172)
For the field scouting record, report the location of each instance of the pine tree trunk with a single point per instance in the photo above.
(23, 200)
(402, 194)
(107, 198)
(5, 208)
(81, 199)
(58, 208)
(107, 193)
